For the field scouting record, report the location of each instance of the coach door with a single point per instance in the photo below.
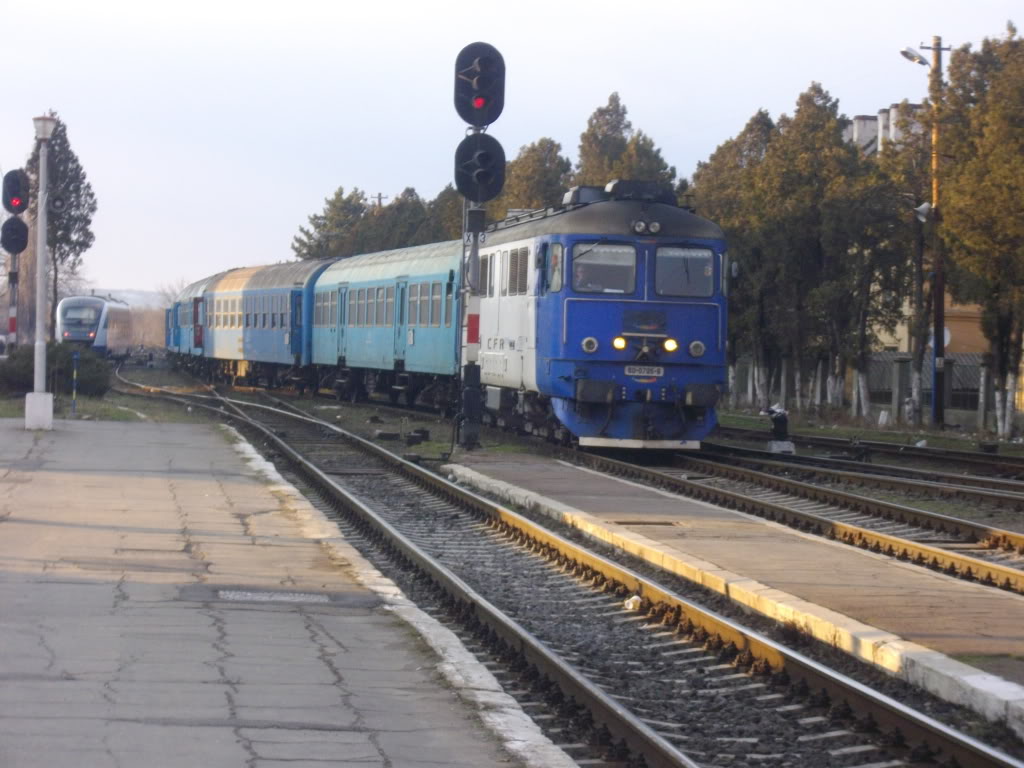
(197, 322)
(338, 323)
(295, 331)
(401, 316)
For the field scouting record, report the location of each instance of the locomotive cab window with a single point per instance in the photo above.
(555, 267)
(684, 272)
(603, 268)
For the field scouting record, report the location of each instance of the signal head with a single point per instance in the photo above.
(16, 191)
(479, 84)
(479, 167)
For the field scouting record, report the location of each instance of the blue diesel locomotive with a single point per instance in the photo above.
(600, 321)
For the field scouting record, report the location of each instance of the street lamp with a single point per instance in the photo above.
(39, 402)
(939, 286)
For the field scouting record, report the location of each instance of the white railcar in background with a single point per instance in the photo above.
(94, 322)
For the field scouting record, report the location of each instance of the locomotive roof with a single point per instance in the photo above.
(429, 259)
(606, 217)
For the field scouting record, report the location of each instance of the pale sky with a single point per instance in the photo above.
(211, 130)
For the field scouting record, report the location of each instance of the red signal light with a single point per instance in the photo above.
(479, 102)
(16, 202)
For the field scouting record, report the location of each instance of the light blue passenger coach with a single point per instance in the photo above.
(387, 321)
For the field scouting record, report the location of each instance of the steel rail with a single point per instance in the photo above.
(1013, 464)
(914, 728)
(605, 710)
(984, 535)
(943, 489)
(951, 563)
(907, 727)
(888, 470)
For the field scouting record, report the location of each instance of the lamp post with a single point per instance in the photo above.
(39, 402)
(939, 284)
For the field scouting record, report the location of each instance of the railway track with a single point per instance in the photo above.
(611, 658)
(925, 477)
(959, 548)
(976, 461)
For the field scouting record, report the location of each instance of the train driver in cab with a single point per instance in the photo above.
(583, 278)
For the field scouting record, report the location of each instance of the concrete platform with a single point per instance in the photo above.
(914, 623)
(163, 604)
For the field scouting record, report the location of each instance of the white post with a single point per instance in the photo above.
(39, 382)
(39, 402)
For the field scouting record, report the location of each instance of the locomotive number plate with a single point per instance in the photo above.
(644, 370)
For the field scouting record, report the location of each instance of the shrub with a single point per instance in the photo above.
(16, 372)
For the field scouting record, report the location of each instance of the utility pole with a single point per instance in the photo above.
(380, 198)
(939, 285)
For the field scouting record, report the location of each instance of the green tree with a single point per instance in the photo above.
(982, 202)
(331, 233)
(445, 214)
(642, 160)
(723, 190)
(69, 233)
(603, 143)
(536, 178)
(401, 223)
(805, 164)
(907, 165)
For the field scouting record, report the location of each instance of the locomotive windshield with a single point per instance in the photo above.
(81, 315)
(684, 272)
(604, 268)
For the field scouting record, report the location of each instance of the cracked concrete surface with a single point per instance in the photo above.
(119, 649)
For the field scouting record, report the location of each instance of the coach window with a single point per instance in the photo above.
(352, 307)
(684, 272)
(481, 288)
(380, 306)
(504, 273)
(371, 305)
(282, 308)
(448, 305)
(361, 307)
(236, 307)
(603, 268)
(424, 304)
(332, 315)
(555, 267)
(414, 303)
(435, 305)
(389, 304)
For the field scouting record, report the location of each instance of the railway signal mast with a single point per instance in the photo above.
(14, 240)
(479, 177)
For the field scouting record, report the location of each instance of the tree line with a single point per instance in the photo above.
(830, 251)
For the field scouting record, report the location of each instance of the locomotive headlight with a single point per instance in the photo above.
(639, 227)
(670, 345)
(619, 343)
(697, 348)
(654, 227)
(589, 344)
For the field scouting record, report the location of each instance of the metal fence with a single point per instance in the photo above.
(966, 379)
